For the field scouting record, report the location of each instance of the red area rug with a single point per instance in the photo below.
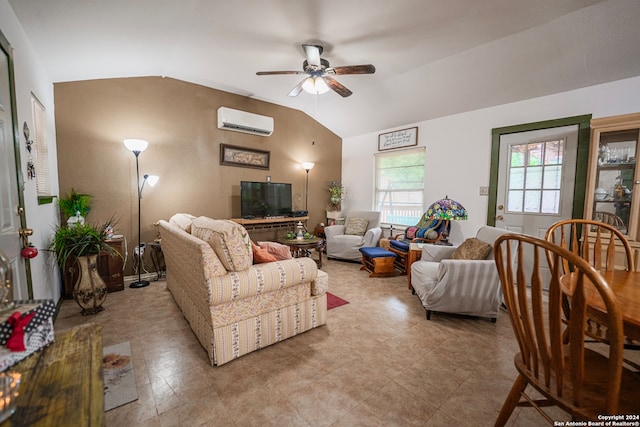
(334, 301)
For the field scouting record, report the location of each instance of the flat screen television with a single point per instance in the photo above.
(265, 199)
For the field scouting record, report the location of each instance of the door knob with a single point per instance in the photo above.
(500, 207)
(500, 218)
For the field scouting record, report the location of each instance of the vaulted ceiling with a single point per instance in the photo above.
(433, 58)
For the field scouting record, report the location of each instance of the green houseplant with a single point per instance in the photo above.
(336, 192)
(74, 203)
(335, 199)
(78, 247)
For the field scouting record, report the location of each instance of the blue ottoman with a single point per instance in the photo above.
(377, 261)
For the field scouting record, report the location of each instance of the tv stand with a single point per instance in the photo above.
(269, 223)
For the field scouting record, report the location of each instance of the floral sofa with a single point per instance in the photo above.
(234, 306)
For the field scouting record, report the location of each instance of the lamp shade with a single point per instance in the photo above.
(315, 85)
(138, 145)
(307, 166)
(447, 209)
(152, 179)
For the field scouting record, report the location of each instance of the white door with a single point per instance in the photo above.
(536, 176)
(10, 206)
(536, 179)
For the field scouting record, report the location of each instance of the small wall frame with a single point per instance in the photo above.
(398, 139)
(231, 155)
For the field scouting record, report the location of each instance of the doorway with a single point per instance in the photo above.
(12, 216)
(538, 176)
(531, 138)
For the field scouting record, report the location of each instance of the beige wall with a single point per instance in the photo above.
(179, 120)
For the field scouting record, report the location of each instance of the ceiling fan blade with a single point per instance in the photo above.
(313, 53)
(336, 86)
(270, 73)
(353, 69)
(296, 90)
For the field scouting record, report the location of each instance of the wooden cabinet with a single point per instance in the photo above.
(110, 269)
(613, 179)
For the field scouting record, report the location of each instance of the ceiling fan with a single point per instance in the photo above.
(319, 73)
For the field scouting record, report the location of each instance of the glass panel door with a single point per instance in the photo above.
(615, 177)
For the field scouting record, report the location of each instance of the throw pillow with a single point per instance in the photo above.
(278, 250)
(356, 226)
(229, 240)
(410, 232)
(182, 221)
(473, 249)
(261, 255)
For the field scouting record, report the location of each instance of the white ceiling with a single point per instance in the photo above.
(433, 58)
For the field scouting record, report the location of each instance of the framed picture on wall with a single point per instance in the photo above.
(231, 155)
(398, 139)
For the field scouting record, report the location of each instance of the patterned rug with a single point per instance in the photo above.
(334, 301)
(119, 377)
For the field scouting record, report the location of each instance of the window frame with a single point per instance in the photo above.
(418, 190)
(41, 151)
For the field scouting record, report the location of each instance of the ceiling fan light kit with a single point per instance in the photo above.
(315, 85)
(319, 73)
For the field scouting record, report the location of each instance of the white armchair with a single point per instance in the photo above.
(462, 286)
(342, 243)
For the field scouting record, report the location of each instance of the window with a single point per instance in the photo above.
(41, 154)
(535, 175)
(399, 186)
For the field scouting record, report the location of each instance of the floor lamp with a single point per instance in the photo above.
(307, 166)
(137, 146)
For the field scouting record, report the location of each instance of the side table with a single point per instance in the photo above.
(53, 394)
(300, 248)
(319, 232)
(157, 258)
(415, 253)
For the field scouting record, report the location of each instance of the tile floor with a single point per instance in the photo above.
(377, 362)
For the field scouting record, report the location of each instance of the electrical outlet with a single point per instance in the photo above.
(484, 191)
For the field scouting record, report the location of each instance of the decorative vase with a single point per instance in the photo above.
(90, 290)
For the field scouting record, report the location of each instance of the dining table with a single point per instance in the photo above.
(626, 287)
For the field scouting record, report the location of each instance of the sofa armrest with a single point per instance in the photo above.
(436, 253)
(333, 230)
(372, 236)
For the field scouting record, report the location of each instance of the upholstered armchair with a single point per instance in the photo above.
(361, 229)
(460, 279)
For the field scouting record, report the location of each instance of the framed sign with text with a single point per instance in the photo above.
(231, 155)
(398, 139)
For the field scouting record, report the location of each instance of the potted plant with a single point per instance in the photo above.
(336, 191)
(78, 247)
(75, 206)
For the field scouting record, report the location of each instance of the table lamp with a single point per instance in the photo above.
(446, 209)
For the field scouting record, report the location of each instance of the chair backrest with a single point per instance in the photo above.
(372, 216)
(597, 247)
(537, 322)
(609, 218)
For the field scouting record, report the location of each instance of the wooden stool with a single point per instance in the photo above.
(377, 261)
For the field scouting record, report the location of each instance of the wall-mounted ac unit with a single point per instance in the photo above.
(241, 121)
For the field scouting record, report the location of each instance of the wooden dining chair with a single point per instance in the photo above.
(598, 249)
(610, 218)
(581, 381)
